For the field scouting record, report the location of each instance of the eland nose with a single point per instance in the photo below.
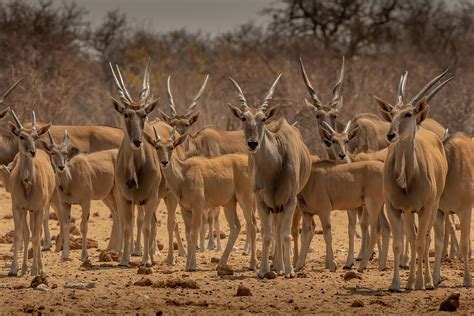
(61, 168)
(32, 153)
(164, 162)
(342, 156)
(137, 142)
(390, 136)
(252, 144)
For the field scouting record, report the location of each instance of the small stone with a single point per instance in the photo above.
(108, 256)
(160, 246)
(222, 235)
(37, 280)
(42, 287)
(143, 282)
(223, 270)
(357, 303)
(243, 291)
(80, 285)
(175, 246)
(451, 303)
(96, 214)
(87, 264)
(144, 270)
(270, 275)
(215, 260)
(301, 275)
(318, 231)
(177, 283)
(352, 275)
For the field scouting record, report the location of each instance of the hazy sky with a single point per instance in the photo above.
(213, 16)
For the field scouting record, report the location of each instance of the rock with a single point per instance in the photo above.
(7, 238)
(222, 235)
(243, 291)
(8, 216)
(87, 264)
(223, 270)
(175, 246)
(301, 275)
(177, 283)
(143, 282)
(270, 275)
(96, 214)
(108, 256)
(451, 303)
(76, 243)
(215, 260)
(318, 231)
(352, 275)
(73, 230)
(160, 246)
(42, 288)
(357, 303)
(79, 285)
(53, 216)
(144, 270)
(37, 280)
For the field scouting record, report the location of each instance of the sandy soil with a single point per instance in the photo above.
(316, 290)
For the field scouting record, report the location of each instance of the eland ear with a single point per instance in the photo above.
(119, 107)
(384, 109)
(421, 110)
(193, 118)
(151, 106)
(271, 111)
(13, 128)
(43, 129)
(354, 132)
(236, 111)
(180, 140)
(4, 112)
(165, 117)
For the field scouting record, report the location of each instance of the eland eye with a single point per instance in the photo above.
(264, 119)
(244, 119)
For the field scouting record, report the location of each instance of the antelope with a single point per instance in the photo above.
(183, 123)
(458, 196)
(414, 179)
(207, 142)
(279, 165)
(337, 143)
(80, 180)
(328, 113)
(334, 186)
(32, 187)
(202, 183)
(137, 171)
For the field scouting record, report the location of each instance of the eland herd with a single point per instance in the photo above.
(382, 170)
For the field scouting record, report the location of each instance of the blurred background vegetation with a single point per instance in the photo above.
(67, 79)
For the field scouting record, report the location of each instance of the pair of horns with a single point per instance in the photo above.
(333, 131)
(336, 91)
(65, 137)
(266, 99)
(427, 91)
(18, 123)
(124, 95)
(158, 137)
(193, 103)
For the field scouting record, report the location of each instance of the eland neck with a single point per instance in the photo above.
(406, 166)
(268, 155)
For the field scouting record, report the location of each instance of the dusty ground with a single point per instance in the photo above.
(317, 291)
